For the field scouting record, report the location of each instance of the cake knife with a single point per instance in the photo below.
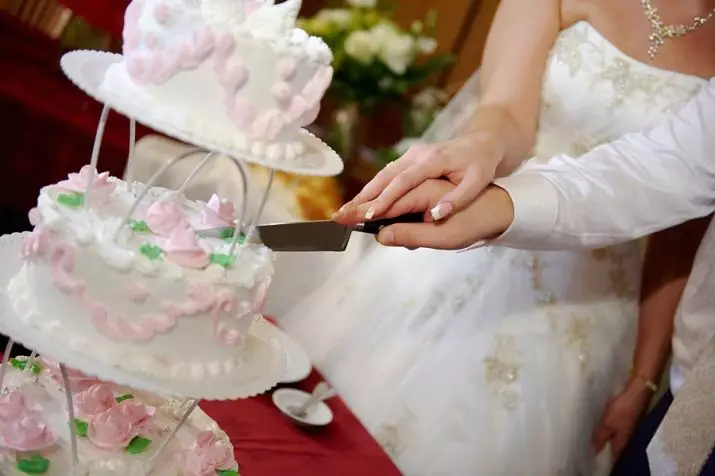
(323, 235)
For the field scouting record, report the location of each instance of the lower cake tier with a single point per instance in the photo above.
(118, 429)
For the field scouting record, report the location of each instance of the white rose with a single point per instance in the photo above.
(383, 32)
(397, 52)
(426, 45)
(339, 16)
(362, 46)
(362, 3)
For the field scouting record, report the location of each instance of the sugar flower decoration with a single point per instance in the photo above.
(164, 216)
(101, 186)
(184, 249)
(218, 213)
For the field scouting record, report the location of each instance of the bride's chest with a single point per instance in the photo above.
(592, 93)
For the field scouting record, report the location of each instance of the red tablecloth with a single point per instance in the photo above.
(268, 444)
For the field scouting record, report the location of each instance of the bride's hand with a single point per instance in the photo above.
(469, 162)
(621, 418)
(489, 215)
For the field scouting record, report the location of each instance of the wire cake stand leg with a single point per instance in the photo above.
(70, 412)
(4, 364)
(192, 406)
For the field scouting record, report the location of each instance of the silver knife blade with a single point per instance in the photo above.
(305, 236)
(299, 236)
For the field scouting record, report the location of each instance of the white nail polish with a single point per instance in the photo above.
(370, 213)
(438, 212)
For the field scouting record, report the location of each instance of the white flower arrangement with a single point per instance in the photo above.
(375, 60)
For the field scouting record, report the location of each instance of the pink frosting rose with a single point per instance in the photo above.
(183, 248)
(101, 188)
(26, 433)
(206, 456)
(164, 216)
(218, 213)
(110, 430)
(95, 400)
(139, 415)
(14, 405)
(78, 380)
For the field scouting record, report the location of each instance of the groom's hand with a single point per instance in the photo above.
(487, 216)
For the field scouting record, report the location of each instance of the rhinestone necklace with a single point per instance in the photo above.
(661, 32)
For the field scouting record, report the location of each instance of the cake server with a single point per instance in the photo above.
(323, 235)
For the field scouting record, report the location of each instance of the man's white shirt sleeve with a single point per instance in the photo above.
(639, 184)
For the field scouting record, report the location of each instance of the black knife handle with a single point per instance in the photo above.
(374, 227)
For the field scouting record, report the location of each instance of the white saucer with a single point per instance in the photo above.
(87, 68)
(263, 366)
(298, 364)
(319, 415)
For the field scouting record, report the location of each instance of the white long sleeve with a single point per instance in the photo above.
(632, 187)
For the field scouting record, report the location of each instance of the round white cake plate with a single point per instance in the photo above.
(261, 369)
(298, 364)
(87, 68)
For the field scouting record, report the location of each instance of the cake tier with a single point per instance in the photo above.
(119, 429)
(239, 69)
(155, 298)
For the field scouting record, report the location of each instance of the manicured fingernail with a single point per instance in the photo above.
(386, 237)
(442, 210)
(370, 213)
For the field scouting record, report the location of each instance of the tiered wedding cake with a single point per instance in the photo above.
(117, 279)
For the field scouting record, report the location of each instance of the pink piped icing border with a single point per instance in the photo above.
(157, 63)
(200, 298)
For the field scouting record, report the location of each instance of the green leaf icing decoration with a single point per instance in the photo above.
(227, 472)
(139, 226)
(34, 464)
(138, 445)
(21, 364)
(152, 252)
(121, 398)
(80, 427)
(74, 200)
(222, 259)
(226, 233)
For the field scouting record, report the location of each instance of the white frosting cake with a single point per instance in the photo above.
(238, 71)
(119, 429)
(151, 296)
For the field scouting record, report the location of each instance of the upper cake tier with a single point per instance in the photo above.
(238, 71)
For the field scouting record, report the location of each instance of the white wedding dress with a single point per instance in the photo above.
(498, 361)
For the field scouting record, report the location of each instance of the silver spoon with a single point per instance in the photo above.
(321, 392)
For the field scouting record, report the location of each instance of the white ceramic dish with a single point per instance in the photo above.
(286, 398)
